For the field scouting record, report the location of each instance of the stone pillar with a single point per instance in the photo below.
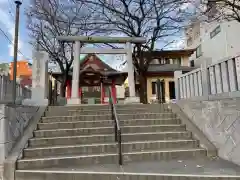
(205, 80)
(167, 95)
(131, 80)
(177, 74)
(39, 80)
(75, 77)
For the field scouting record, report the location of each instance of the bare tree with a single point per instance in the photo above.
(217, 10)
(51, 18)
(160, 21)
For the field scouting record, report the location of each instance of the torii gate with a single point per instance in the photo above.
(96, 39)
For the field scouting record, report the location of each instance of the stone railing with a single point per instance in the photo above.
(210, 97)
(6, 90)
(214, 81)
(13, 121)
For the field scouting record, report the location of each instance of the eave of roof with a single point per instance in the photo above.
(166, 53)
(168, 68)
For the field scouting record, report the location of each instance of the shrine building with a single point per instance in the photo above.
(95, 79)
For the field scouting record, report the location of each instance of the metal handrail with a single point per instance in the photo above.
(117, 128)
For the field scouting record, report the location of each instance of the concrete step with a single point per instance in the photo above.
(63, 110)
(84, 160)
(142, 110)
(75, 118)
(116, 175)
(107, 123)
(139, 115)
(131, 110)
(106, 138)
(108, 148)
(80, 107)
(88, 112)
(119, 106)
(108, 130)
(107, 117)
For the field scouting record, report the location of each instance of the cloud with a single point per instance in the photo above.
(11, 47)
(179, 44)
(7, 20)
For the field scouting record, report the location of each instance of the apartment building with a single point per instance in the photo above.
(213, 41)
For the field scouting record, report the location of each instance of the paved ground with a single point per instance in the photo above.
(203, 167)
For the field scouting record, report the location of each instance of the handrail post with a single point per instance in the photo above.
(116, 135)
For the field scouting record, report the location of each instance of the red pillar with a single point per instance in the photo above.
(68, 89)
(114, 92)
(80, 92)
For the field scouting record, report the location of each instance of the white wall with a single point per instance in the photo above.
(120, 91)
(224, 44)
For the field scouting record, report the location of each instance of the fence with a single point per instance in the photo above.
(6, 90)
(218, 80)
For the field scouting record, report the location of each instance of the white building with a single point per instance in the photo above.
(214, 41)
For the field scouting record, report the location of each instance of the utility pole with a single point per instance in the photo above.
(18, 4)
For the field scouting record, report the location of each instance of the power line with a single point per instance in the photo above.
(10, 41)
(11, 8)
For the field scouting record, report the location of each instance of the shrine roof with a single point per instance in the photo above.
(92, 64)
(103, 66)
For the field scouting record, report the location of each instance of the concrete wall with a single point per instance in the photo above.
(13, 121)
(185, 61)
(210, 97)
(219, 120)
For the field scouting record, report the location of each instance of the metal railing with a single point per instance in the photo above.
(118, 133)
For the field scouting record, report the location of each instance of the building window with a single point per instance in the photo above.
(215, 31)
(153, 87)
(192, 63)
(199, 51)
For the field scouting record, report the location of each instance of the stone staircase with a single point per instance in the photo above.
(78, 143)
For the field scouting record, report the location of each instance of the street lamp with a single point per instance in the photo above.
(18, 4)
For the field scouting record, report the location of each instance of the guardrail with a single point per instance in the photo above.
(218, 80)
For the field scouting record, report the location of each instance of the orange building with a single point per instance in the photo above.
(23, 69)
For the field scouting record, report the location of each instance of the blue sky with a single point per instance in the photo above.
(7, 18)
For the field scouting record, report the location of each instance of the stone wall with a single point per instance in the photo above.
(219, 120)
(13, 121)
